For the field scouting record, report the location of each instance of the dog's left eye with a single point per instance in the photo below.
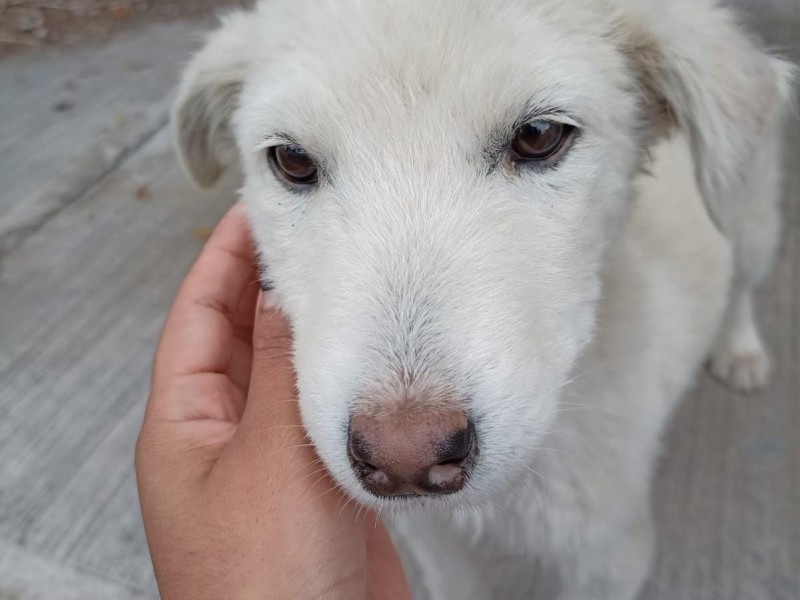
(539, 141)
(292, 165)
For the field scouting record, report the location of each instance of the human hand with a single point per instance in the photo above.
(236, 504)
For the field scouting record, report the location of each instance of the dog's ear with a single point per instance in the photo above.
(207, 98)
(699, 70)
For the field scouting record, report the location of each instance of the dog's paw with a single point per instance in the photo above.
(743, 367)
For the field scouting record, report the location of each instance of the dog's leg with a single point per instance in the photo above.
(615, 570)
(739, 357)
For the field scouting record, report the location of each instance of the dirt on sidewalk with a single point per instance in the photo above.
(27, 24)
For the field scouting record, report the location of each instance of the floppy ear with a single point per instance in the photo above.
(207, 98)
(700, 70)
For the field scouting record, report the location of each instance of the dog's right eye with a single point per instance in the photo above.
(293, 166)
(541, 141)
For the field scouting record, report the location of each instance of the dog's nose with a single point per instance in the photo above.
(412, 454)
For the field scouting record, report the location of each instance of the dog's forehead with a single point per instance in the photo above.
(407, 68)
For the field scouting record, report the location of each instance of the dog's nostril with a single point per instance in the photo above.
(359, 451)
(364, 468)
(458, 447)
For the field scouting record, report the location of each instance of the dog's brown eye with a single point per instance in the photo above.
(540, 140)
(293, 165)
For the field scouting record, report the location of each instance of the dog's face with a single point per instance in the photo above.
(433, 188)
(445, 255)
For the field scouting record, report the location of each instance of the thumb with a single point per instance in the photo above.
(288, 479)
(271, 411)
(271, 464)
(271, 437)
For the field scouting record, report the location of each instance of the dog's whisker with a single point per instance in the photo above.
(325, 493)
(308, 445)
(345, 504)
(317, 472)
(322, 478)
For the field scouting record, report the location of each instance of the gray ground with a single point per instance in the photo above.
(97, 226)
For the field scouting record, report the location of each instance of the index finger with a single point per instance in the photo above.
(198, 333)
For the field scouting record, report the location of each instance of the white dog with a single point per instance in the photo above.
(488, 223)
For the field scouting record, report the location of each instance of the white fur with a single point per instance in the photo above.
(569, 307)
